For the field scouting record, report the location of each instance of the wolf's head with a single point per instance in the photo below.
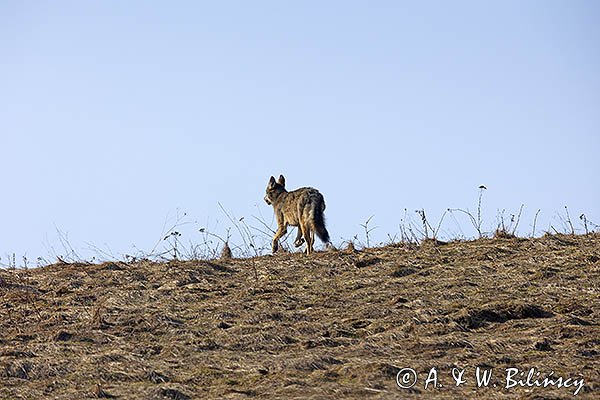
(274, 189)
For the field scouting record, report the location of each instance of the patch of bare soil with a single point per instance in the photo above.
(338, 324)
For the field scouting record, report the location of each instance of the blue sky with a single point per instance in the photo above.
(114, 116)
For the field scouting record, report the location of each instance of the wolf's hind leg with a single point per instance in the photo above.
(308, 235)
(299, 239)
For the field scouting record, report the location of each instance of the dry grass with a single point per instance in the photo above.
(338, 324)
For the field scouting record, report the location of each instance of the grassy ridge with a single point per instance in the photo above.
(338, 324)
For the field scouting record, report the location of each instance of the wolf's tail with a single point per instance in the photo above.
(320, 222)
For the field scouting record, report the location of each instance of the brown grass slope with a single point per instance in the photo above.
(338, 324)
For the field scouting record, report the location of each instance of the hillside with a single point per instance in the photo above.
(338, 324)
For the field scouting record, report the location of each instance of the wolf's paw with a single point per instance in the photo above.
(299, 242)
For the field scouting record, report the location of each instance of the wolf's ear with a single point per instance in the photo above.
(281, 180)
(272, 181)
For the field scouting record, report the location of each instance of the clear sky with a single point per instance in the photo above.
(116, 115)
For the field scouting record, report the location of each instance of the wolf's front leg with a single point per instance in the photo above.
(280, 232)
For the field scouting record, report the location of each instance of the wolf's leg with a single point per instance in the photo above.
(306, 232)
(282, 230)
(299, 239)
(310, 241)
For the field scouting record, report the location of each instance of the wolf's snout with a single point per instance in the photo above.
(267, 200)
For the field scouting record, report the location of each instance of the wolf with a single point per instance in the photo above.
(303, 208)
